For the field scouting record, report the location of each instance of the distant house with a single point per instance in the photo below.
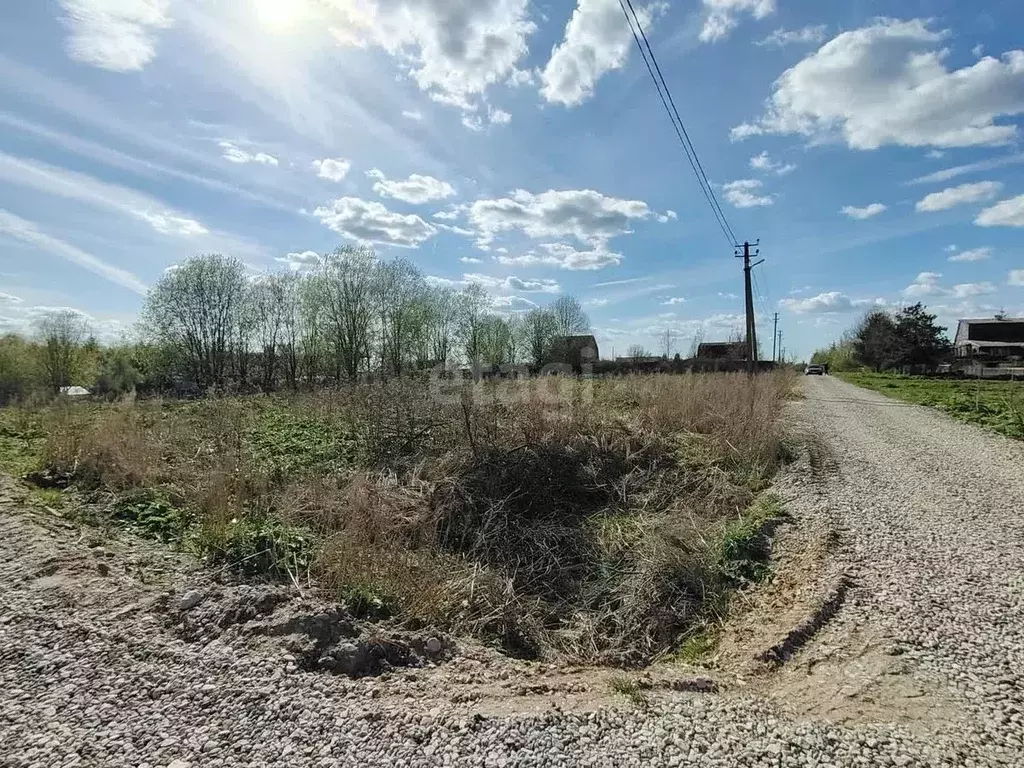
(576, 351)
(989, 343)
(722, 350)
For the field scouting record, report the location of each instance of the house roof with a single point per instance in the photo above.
(74, 391)
(722, 349)
(990, 332)
(584, 340)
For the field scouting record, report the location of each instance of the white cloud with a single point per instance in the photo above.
(169, 224)
(513, 283)
(587, 215)
(521, 77)
(119, 35)
(667, 216)
(493, 117)
(925, 284)
(85, 189)
(513, 303)
(805, 35)
(235, 154)
(564, 256)
(447, 215)
(412, 114)
(7, 298)
(416, 189)
(935, 154)
(887, 84)
(332, 169)
(597, 302)
(28, 232)
(950, 249)
(863, 213)
(674, 301)
(371, 222)
(457, 230)
(1005, 213)
(961, 195)
(741, 193)
(1016, 277)
(627, 281)
(967, 290)
(977, 254)
(301, 261)
(498, 116)
(959, 170)
(978, 51)
(471, 260)
(830, 302)
(763, 162)
(597, 40)
(453, 49)
(729, 296)
(722, 16)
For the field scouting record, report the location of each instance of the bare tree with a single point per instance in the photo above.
(196, 309)
(399, 291)
(267, 296)
(569, 316)
(637, 350)
(62, 333)
(539, 329)
(443, 317)
(495, 337)
(474, 303)
(291, 325)
(516, 323)
(668, 343)
(312, 301)
(696, 341)
(348, 284)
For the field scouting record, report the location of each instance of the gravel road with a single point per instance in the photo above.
(930, 534)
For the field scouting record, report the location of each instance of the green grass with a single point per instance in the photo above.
(696, 648)
(995, 405)
(286, 444)
(745, 546)
(22, 439)
(629, 687)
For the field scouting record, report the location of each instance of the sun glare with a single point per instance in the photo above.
(279, 15)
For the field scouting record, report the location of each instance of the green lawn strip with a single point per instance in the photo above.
(995, 405)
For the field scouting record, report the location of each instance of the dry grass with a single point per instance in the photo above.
(562, 518)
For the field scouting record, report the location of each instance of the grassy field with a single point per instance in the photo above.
(996, 405)
(595, 520)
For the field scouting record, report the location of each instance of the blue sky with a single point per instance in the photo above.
(874, 148)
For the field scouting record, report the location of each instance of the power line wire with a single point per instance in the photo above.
(668, 92)
(665, 94)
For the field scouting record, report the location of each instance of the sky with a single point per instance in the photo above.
(873, 148)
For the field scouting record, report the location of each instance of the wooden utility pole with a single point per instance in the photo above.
(775, 334)
(749, 293)
(782, 351)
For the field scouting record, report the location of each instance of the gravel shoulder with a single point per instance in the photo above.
(918, 517)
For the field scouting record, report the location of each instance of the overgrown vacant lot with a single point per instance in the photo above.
(996, 405)
(594, 520)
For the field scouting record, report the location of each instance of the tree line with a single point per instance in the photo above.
(907, 340)
(210, 324)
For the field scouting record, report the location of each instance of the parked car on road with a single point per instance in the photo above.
(814, 370)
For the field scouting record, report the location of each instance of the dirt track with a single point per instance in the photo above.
(922, 664)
